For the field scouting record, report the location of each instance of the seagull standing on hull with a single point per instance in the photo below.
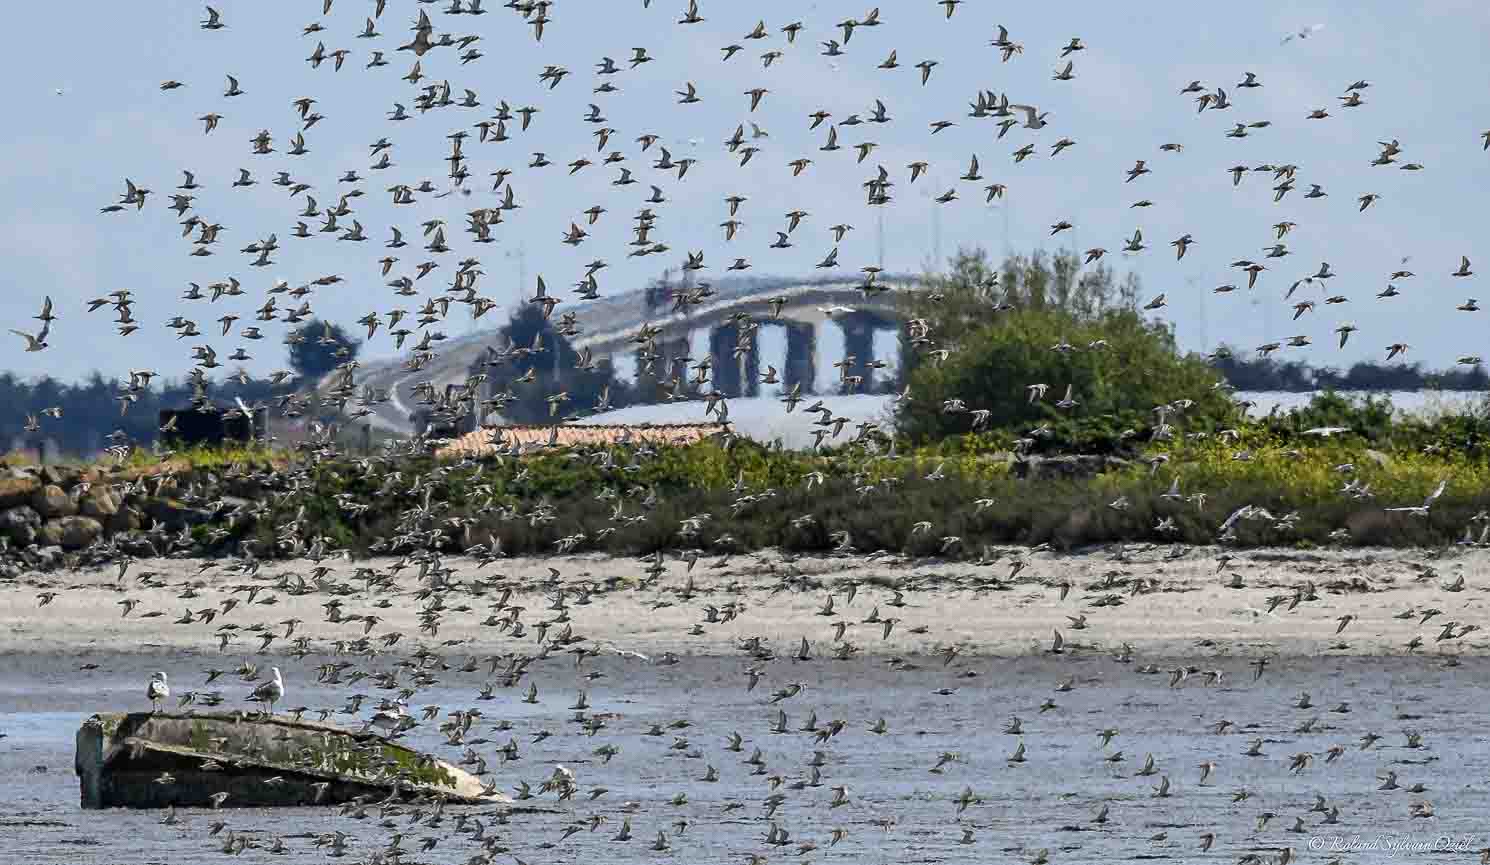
(270, 692)
(157, 691)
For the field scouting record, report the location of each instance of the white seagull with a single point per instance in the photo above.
(157, 690)
(389, 721)
(1422, 510)
(270, 692)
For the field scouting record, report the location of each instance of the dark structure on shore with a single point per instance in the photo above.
(194, 427)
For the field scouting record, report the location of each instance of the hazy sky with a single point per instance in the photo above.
(68, 154)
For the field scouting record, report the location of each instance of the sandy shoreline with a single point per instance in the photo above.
(977, 608)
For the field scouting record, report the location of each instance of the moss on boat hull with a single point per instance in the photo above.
(145, 760)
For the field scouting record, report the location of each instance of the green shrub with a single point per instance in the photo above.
(984, 341)
(1118, 385)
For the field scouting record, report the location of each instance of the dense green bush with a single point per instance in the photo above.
(984, 342)
(1118, 383)
(1375, 420)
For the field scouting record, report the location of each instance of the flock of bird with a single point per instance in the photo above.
(1275, 761)
(503, 130)
(438, 45)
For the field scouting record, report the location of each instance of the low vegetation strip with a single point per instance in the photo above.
(1266, 483)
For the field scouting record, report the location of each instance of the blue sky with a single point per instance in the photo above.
(68, 155)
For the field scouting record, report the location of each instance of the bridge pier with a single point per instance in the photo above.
(800, 365)
(858, 341)
(664, 362)
(736, 375)
(750, 362)
(722, 342)
(736, 372)
(675, 352)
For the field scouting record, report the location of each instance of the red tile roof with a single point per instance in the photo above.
(483, 441)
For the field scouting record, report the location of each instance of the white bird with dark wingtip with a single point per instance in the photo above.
(1422, 510)
(390, 720)
(270, 692)
(157, 691)
(1032, 119)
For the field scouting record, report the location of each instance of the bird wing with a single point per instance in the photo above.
(1236, 515)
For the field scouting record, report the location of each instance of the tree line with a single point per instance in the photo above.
(989, 331)
(97, 407)
(1270, 374)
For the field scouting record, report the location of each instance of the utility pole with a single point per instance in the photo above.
(1002, 206)
(1190, 281)
(1267, 320)
(1005, 208)
(522, 264)
(936, 235)
(927, 193)
(880, 235)
(521, 254)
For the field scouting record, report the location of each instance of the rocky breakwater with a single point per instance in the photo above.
(48, 511)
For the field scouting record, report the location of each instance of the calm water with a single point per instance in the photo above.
(1047, 802)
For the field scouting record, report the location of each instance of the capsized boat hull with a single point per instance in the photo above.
(155, 760)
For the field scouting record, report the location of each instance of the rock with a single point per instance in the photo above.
(136, 544)
(17, 490)
(50, 534)
(50, 501)
(100, 503)
(79, 532)
(58, 476)
(48, 556)
(19, 524)
(174, 515)
(126, 519)
(1070, 467)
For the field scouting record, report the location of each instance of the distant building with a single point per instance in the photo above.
(192, 427)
